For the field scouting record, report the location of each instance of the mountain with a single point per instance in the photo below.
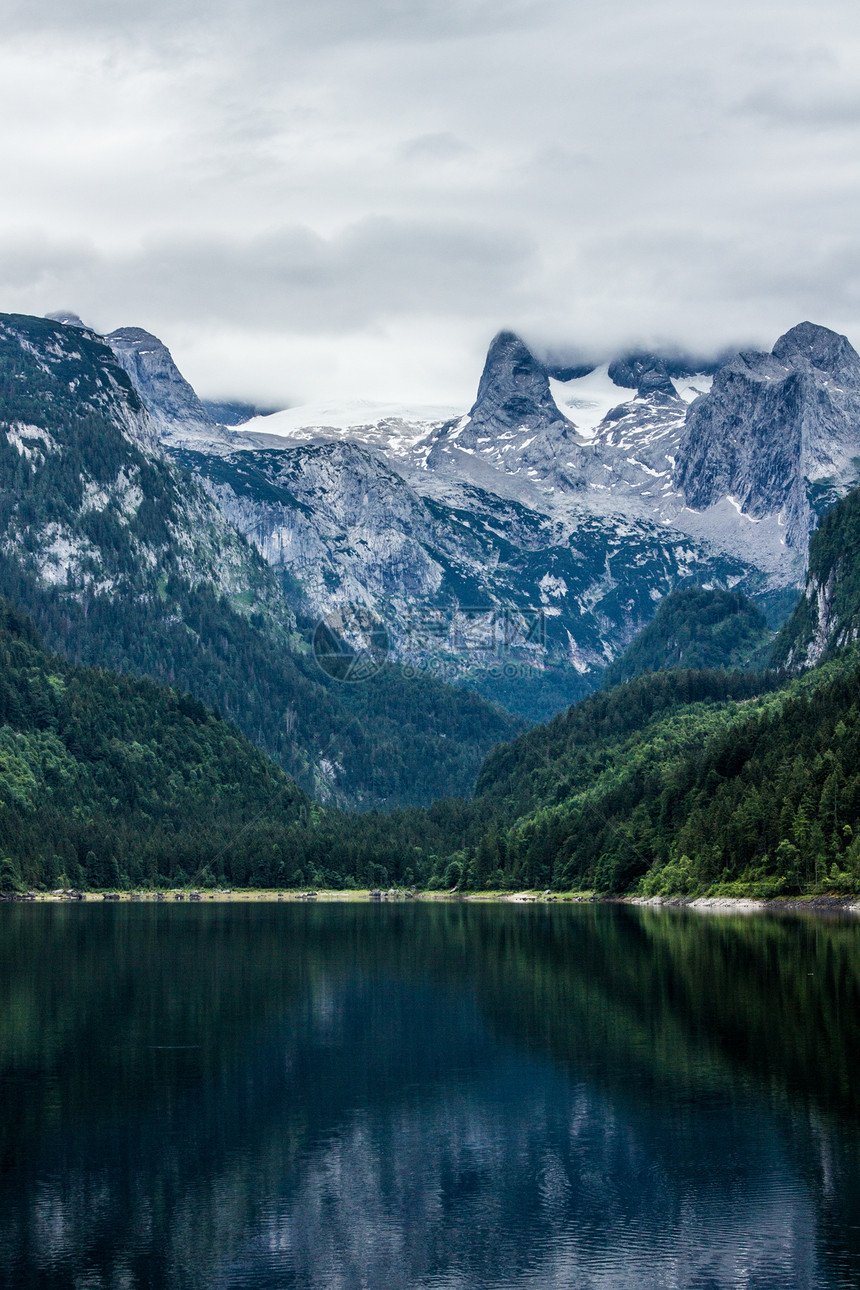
(107, 780)
(470, 584)
(124, 561)
(170, 400)
(739, 459)
(551, 519)
(511, 519)
(779, 433)
(514, 409)
(695, 629)
(827, 618)
(644, 373)
(87, 497)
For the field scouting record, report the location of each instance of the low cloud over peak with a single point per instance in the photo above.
(368, 193)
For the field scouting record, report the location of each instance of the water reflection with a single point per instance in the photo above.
(408, 1096)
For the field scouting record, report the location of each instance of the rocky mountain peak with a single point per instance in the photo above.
(514, 390)
(819, 347)
(778, 434)
(157, 379)
(69, 319)
(646, 373)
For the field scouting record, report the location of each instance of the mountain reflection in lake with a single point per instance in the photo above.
(344, 1096)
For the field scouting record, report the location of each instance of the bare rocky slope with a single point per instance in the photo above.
(521, 546)
(124, 560)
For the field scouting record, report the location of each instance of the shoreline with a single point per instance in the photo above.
(815, 903)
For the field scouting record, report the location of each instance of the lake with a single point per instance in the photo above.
(347, 1096)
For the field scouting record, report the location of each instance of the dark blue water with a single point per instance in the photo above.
(427, 1096)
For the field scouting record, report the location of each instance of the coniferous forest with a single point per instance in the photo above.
(162, 721)
(677, 782)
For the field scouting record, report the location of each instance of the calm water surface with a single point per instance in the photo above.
(337, 1096)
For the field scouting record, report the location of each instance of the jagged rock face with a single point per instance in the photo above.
(513, 393)
(91, 504)
(822, 349)
(162, 387)
(778, 433)
(346, 528)
(515, 417)
(514, 389)
(646, 373)
(335, 517)
(508, 508)
(613, 459)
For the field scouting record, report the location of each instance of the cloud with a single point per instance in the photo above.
(431, 148)
(820, 110)
(321, 183)
(295, 280)
(268, 24)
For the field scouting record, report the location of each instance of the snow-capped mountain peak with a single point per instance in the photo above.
(589, 493)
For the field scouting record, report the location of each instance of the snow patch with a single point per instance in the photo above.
(307, 420)
(586, 399)
(550, 585)
(690, 387)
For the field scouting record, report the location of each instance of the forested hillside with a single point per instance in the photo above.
(763, 791)
(677, 782)
(108, 780)
(694, 628)
(124, 562)
(827, 617)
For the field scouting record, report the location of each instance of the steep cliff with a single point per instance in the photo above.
(779, 433)
(827, 617)
(177, 412)
(470, 585)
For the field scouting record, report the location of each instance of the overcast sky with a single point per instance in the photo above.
(314, 198)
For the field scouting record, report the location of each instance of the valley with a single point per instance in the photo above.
(141, 536)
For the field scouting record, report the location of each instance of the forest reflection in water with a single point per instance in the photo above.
(417, 1095)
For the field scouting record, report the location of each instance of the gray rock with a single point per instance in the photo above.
(778, 433)
(514, 421)
(513, 391)
(646, 373)
(162, 387)
(68, 319)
